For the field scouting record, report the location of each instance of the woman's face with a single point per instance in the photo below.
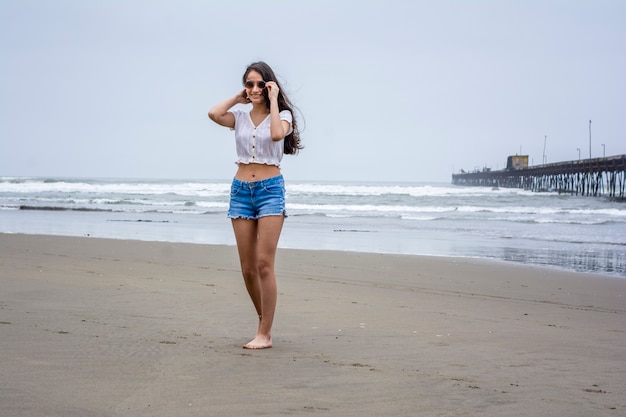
(254, 87)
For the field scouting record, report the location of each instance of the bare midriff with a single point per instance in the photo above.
(256, 172)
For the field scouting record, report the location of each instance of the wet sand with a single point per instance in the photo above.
(97, 327)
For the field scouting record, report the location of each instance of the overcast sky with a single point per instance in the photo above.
(389, 90)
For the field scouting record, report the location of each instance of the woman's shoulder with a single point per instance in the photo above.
(286, 115)
(241, 115)
(239, 111)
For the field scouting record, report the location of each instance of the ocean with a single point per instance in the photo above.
(585, 234)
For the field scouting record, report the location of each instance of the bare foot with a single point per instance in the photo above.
(259, 342)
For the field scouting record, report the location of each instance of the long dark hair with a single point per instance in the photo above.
(292, 141)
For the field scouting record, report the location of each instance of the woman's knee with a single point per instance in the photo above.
(249, 271)
(265, 266)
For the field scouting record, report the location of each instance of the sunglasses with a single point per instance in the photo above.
(250, 84)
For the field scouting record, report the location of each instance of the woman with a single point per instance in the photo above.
(263, 134)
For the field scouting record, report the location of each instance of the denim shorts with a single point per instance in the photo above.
(252, 200)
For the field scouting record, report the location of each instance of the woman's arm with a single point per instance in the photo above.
(220, 114)
(278, 127)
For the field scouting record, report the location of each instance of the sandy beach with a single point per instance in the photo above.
(97, 327)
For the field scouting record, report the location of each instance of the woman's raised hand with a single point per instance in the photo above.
(242, 98)
(272, 89)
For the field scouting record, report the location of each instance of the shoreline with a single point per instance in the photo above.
(148, 230)
(155, 328)
(573, 234)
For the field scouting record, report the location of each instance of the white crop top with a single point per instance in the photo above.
(255, 144)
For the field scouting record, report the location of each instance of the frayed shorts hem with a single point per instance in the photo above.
(284, 213)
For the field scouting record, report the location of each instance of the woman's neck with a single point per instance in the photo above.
(260, 108)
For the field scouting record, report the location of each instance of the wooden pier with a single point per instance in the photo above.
(589, 177)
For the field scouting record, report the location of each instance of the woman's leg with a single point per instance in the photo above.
(246, 238)
(257, 241)
(269, 228)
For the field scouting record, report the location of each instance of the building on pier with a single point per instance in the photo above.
(517, 162)
(590, 177)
